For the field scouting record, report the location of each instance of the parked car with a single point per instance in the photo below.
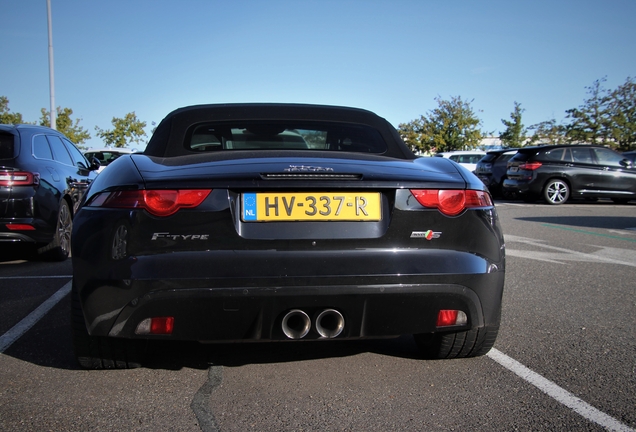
(560, 172)
(491, 169)
(466, 158)
(43, 177)
(106, 155)
(283, 222)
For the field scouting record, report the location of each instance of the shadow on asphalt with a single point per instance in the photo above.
(605, 222)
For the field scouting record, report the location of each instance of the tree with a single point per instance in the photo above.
(590, 122)
(548, 132)
(7, 117)
(451, 126)
(125, 131)
(515, 133)
(65, 125)
(622, 109)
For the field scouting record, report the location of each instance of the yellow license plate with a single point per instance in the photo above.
(310, 206)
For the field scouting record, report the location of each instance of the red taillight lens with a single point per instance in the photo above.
(159, 202)
(452, 202)
(530, 166)
(18, 178)
(20, 227)
(161, 325)
(156, 326)
(451, 317)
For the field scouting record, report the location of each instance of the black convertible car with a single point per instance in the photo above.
(283, 222)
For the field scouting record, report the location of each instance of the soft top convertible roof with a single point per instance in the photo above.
(169, 137)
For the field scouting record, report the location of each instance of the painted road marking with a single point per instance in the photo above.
(558, 255)
(559, 394)
(7, 339)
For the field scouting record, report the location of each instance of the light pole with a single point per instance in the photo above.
(51, 80)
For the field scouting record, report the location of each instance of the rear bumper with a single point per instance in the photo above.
(522, 187)
(226, 308)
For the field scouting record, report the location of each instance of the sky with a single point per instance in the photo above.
(392, 57)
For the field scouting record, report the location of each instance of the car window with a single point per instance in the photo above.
(41, 148)
(60, 153)
(582, 155)
(107, 157)
(77, 155)
(608, 157)
(284, 136)
(6, 146)
(559, 154)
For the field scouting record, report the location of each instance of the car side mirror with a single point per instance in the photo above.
(627, 163)
(95, 164)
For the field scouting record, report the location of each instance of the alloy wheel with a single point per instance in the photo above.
(556, 192)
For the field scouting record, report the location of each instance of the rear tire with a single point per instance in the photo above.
(99, 352)
(60, 247)
(471, 343)
(556, 191)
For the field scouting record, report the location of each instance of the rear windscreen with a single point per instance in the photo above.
(262, 135)
(6, 146)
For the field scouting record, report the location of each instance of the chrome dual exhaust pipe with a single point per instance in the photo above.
(329, 323)
(296, 324)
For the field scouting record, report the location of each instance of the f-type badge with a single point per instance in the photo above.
(428, 235)
(304, 168)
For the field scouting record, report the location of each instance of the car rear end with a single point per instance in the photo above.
(523, 174)
(221, 276)
(483, 169)
(18, 187)
(286, 246)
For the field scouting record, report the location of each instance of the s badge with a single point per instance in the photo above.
(428, 235)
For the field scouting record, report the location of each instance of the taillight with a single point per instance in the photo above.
(452, 202)
(20, 227)
(451, 317)
(18, 178)
(530, 166)
(158, 202)
(156, 326)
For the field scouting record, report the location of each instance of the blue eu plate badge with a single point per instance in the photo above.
(249, 206)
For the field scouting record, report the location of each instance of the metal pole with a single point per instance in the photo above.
(51, 80)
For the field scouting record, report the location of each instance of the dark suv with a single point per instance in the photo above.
(43, 176)
(491, 169)
(560, 172)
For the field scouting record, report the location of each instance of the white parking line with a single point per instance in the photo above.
(7, 339)
(559, 394)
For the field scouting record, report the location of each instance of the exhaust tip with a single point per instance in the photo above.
(329, 323)
(296, 324)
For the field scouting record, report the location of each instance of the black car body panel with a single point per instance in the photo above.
(587, 171)
(492, 168)
(57, 172)
(222, 277)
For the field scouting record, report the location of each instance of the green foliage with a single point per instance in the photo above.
(125, 131)
(622, 109)
(515, 133)
(7, 117)
(451, 126)
(65, 125)
(547, 132)
(589, 123)
(606, 117)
